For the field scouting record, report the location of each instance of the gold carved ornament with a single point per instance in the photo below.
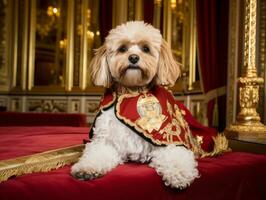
(248, 123)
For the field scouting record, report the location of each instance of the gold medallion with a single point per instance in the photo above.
(150, 112)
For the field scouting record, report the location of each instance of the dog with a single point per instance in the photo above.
(138, 118)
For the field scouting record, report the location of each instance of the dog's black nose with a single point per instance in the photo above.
(133, 58)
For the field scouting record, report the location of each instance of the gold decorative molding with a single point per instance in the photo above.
(248, 123)
(41, 162)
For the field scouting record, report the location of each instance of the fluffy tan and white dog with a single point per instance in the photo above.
(133, 57)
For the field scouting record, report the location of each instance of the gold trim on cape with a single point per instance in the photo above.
(134, 125)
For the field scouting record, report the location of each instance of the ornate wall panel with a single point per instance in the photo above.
(46, 104)
(16, 104)
(83, 104)
(4, 103)
(4, 40)
(261, 57)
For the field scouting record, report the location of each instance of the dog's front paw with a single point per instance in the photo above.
(176, 165)
(84, 173)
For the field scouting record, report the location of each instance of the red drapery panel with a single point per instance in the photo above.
(105, 17)
(212, 26)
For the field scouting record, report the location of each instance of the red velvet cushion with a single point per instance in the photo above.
(230, 176)
(21, 141)
(42, 119)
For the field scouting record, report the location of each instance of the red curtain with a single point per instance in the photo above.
(105, 17)
(212, 26)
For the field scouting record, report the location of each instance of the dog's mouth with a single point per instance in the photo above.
(133, 67)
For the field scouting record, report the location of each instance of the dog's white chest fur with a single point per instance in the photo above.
(130, 145)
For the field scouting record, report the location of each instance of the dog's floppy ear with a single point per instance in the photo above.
(168, 67)
(100, 73)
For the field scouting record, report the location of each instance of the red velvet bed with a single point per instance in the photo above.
(234, 175)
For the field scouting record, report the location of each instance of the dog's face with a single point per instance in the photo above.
(134, 54)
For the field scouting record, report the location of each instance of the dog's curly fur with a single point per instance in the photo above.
(113, 142)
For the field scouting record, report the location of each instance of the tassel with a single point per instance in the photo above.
(220, 146)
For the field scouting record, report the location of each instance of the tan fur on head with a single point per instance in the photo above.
(112, 64)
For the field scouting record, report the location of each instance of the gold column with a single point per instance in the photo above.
(15, 45)
(192, 46)
(167, 21)
(84, 47)
(157, 13)
(24, 58)
(32, 37)
(120, 9)
(138, 9)
(70, 46)
(248, 123)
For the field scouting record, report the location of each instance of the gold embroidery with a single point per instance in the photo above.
(137, 128)
(169, 109)
(168, 132)
(150, 112)
(179, 117)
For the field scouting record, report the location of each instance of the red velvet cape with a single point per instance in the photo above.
(178, 125)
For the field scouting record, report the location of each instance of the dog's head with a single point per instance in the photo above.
(134, 54)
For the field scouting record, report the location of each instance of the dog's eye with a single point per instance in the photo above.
(122, 49)
(146, 49)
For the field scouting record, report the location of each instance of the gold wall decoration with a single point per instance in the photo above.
(46, 105)
(16, 105)
(261, 51)
(248, 123)
(91, 108)
(4, 40)
(4, 104)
